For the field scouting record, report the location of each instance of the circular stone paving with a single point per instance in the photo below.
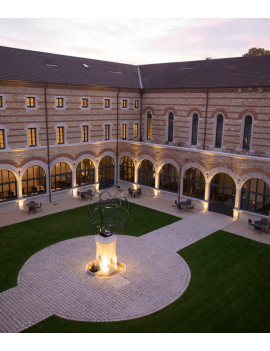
(154, 278)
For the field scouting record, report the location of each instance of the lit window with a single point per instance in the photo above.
(32, 136)
(107, 132)
(107, 103)
(2, 139)
(1, 101)
(136, 104)
(84, 103)
(61, 176)
(124, 131)
(30, 102)
(85, 133)
(59, 102)
(136, 130)
(149, 125)
(60, 135)
(33, 181)
(8, 185)
(124, 103)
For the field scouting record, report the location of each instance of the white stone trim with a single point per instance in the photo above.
(82, 157)
(248, 176)
(11, 168)
(126, 153)
(89, 136)
(124, 108)
(165, 161)
(4, 106)
(127, 130)
(214, 171)
(28, 109)
(242, 132)
(6, 130)
(103, 102)
(62, 159)
(149, 158)
(65, 134)
(139, 105)
(111, 127)
(138, 137)
(64, 102)
(44, 166)
(85, 108)
(106, 153)
(37, 136)
(190, 129)
(167, 125)
(145, 127)
(215, 132)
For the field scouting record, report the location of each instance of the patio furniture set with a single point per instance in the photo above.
(184, 205)
(261, 225)
(86, 194)
(33, 206)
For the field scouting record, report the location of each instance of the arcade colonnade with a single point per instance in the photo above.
(153, 188)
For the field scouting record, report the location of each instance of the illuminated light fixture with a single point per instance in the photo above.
(85, 66)
(75, 192)
(21, 204)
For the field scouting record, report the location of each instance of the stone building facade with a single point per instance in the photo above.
(206, 143)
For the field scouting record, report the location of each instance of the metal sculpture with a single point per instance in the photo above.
(114, 212)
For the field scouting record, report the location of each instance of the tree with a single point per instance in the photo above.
(257, 51)
(208, 58)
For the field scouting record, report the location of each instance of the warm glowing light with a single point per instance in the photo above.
(21, 204)
(75, 192)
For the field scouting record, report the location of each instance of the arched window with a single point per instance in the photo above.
(106, 172)
(247, 133)
(219, 131)
(149, 125)
(194, 183)
(255, 196)
(168, 178)
(147, 173)
(127, 169)
(194, 136)
(85, 172)
(33, 181)
(8, 186)
(170, 127)
(61, 176)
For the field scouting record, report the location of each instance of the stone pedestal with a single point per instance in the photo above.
(106, 258)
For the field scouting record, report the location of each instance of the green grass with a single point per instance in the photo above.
(229, 291)
(18, 242)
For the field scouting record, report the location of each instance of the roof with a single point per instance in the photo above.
(26, 65)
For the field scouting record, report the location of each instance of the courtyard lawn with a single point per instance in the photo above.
(18, 242)
(229, 291)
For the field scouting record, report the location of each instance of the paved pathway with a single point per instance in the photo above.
(54, 280)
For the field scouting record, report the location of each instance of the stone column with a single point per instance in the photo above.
(207, 194)
(136, 172)
(237, 202)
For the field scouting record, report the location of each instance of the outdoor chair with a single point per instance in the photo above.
(255, 227)
(250, 223)
(191, 208)
(39, 207)
(175, 202)
(179, 207)
(130, 191)
(33, 209)
(188, 202)
(83, 196)
(79, 193)
(139, 191)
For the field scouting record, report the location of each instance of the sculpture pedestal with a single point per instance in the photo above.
(106, 258)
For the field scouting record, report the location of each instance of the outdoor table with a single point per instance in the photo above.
(32, 204)
(184, 204)
(261, 224)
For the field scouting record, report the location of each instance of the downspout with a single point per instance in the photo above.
(48, 145)
(117, 154)
(205, 123)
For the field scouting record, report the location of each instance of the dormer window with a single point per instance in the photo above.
(30, 102)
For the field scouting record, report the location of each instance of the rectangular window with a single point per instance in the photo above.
(1, 101)
(60, 135)
(107, 103)
(2, 139)
(136, 104)
(85, 133)
(136, 130)
(30, 102)
(59, 102)
(124, 103)
(84, 103)
(124, 131)
(107, 132)
(32, 136)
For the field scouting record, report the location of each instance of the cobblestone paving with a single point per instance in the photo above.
(54, 280)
